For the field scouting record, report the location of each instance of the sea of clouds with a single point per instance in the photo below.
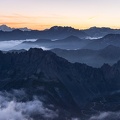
(8, 45)
(11, 108)
(13, 44)
(16, 105)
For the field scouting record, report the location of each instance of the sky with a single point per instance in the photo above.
(42, 14)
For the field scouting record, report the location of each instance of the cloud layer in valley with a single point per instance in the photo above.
(12, 109)
(12, 44)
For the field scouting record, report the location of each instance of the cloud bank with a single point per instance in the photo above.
(12, 109)
(8, 45)
(106, 116)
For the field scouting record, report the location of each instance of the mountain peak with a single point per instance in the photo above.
(60, 28)
(73, 37)
(24, 29)
(5, 28)
(95, 27)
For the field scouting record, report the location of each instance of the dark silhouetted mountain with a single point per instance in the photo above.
(100, 32)
(110, 52)
(14, 51)
(110, 39)
(55, 32)
(18, 35)
(66, 31)
(74, 86)
(95, 58)
(52, 33)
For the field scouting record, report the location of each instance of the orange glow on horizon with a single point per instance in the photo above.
(43, 27)
(43, 14)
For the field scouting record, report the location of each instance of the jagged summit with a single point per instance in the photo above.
(60, 28)
(73, 86)
(7, 28)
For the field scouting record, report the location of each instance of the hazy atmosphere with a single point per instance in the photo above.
(59, 60)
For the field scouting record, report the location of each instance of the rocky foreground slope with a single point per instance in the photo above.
(73, 87)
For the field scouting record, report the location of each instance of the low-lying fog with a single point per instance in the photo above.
(8, 45)
(12, 108)
(16, 45)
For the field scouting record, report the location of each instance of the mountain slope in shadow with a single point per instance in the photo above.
(74, 86)
(95, 58)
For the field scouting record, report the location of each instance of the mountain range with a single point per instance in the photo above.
(110, 39)
(73, 86)
(101, 31)
(52, 33)
(75, 77)
(7, 28)
(73, 43)
(55, 32)
(95, 58)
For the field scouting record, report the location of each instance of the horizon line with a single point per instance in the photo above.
(115, 28)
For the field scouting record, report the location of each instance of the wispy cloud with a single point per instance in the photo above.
(92, 17)
(12, 109)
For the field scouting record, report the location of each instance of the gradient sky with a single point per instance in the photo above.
(41, 14)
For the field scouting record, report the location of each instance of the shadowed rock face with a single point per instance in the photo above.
(75, 86)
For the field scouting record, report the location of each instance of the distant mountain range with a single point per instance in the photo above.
(7, 28)
(110, 39)
(52, 33)
(73, 43)
(77, 87)
(100, 32)
(95, 58)
(75, 77)
(55, 32)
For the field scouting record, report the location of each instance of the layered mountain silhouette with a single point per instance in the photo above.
(52, 33)
(78, 78)
(71, 42)
(6, 28)
(95, 58)
(74, 86)
(100, 32)
(55, 32)
(110, 39)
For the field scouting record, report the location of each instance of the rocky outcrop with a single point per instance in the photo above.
(66, 84)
